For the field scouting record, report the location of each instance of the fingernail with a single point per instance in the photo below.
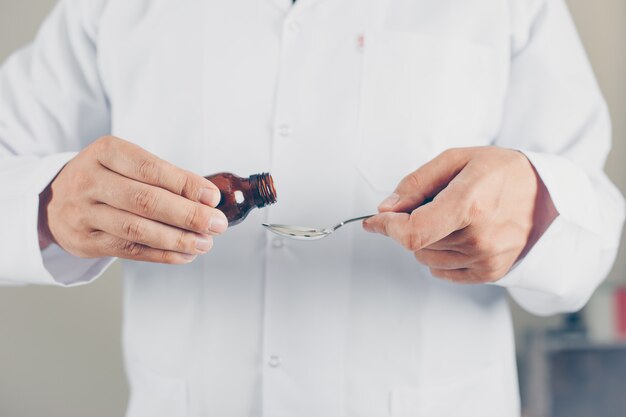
(204, 244)
(389, 202)
(188, 257)
(210, 197)
(218, 224)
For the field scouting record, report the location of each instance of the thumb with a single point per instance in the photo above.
(422, 185)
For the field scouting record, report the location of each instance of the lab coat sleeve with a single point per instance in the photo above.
(556, 115)
(51, 105)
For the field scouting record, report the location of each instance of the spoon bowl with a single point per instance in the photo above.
(308, 233)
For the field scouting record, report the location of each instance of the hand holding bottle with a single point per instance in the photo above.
(116, 199)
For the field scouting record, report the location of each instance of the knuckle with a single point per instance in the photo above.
(106, 149)
(472, 241)
(469, 207)
(413, 241)
(482, 245)
(82, 180)
(492, 275)
(211, 243)
(94, 238)
(426, 259)
(473, 277)
(406, 241)
(169, 258)
(90, 248)
(517, 156)
(182, 186)
(449, 153)
(81, 219)
(413, 181)
(104, 141)
(132, 249)
(147, 168)
(492, 269)
(492, 265)
(134, 230)
(188, 187)
(196, 219)
(438, 273)
(477, 244)
(146, 202)
(419, 256)
(452, 154)
(475, 210)
(183, 243)
(104, 145)
(467, 204)
(497, 265)
(489, 247)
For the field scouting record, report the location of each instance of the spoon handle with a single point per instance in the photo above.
(356, 219)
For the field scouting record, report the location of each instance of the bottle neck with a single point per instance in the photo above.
(263, 191)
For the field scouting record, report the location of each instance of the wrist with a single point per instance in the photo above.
(544, 213)
(45, 236)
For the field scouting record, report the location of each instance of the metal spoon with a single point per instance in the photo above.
(308, 233)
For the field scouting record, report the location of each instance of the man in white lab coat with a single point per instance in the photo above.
(340, 100)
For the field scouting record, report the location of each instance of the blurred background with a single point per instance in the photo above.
(60, 353)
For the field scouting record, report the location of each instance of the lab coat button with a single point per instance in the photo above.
(278, 243)
(274, 361)
(285, 131)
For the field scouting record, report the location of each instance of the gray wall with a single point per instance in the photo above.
(602, 26)
(60, 349)
(60, 352)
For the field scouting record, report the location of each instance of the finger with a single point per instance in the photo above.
(133, 228)
(455, 241)
(136, 163)
(447, 260)
(112, 246)
(427, 181)
(481, 243)
(466, 276)
(425, 225)
(161, 205)
(459, 276)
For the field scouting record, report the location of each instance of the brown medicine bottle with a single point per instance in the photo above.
(241, 195)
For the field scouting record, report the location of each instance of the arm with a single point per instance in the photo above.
(566, 136)
(51, 99)
(544, 222)
(64, 216)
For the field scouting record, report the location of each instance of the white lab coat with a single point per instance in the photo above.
(338, 99)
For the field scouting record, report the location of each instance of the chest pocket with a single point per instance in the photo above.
(421, 95)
